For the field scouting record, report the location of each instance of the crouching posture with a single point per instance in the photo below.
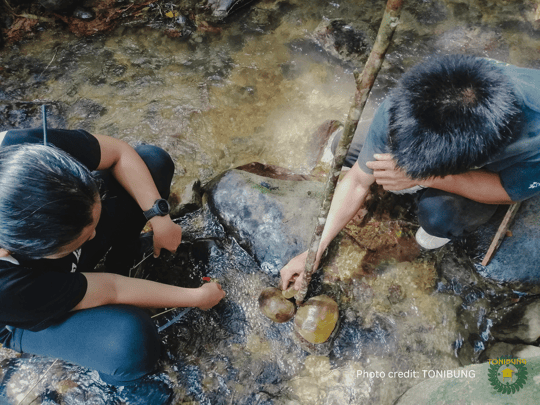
(62, 208)
(462, 132)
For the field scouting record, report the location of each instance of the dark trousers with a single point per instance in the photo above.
(440, 213)
(119, 341)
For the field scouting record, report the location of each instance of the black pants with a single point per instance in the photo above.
(119, 341)
(440, 213)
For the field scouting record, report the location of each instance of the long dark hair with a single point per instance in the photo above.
(450, 114)
(46, 199)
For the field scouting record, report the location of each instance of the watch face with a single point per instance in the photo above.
(163, 206)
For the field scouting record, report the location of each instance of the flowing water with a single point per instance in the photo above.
(253, 89)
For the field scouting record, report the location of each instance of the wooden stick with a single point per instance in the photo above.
(364, 83)
(501, 232)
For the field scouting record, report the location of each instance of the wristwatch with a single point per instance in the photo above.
(161, 207)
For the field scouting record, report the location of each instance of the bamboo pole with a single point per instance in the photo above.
(364, 83)
(501, 232)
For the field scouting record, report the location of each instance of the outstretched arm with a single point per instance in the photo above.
(349, 197)
(478, 185)
(107, 288)
(131, 172)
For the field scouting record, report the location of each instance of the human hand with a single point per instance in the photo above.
(294, 271)
(211, 294)
(167, 234)
(388, 175)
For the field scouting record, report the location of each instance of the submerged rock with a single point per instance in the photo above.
(316, 320)
(84, 14)
(347, 41)
(275, 306)
(520, 325)
(57, 5)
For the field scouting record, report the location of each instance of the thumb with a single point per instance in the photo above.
(298, 283)
(157, 250)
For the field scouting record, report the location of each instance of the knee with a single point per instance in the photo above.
(131, 345)
(435, 215)
(160, 165)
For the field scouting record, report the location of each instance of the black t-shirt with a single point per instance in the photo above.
(33, 294)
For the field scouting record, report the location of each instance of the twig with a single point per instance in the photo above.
(46, 67)
(38, 381)
(501, 232)
(364, 83)
(9, 6)
(164, 312)
(175, 319)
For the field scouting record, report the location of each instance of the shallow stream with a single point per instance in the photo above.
(254, 88)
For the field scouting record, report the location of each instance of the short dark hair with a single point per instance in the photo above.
(451, 114)
(46, 199)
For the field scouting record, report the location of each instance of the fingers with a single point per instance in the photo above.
(213, 295)
(157, 247)
(384, 162)
(287, 275)
(383, 156)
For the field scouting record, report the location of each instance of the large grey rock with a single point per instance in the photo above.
(474, 388)
(517, 259)
(272, 219)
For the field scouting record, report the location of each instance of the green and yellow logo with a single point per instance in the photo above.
(507, 375)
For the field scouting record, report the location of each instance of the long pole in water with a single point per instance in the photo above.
(364, 83)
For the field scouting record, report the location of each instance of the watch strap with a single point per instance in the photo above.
(160, 208)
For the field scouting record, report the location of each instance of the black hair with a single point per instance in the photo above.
(451, 114)
(46, 200)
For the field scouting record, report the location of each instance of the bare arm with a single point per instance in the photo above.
(131, 172)
(478, 185)
(350, 195)
(106, 288)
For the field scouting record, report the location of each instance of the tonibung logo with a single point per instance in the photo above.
(507, 375)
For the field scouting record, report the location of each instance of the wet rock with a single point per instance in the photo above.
(517, 258)
(473, 388)
(355, 340)
(57, 5)
(84, 14)
(272, 219)
(347, 41)
(522, 324)
(87, 111)
(428, 12)
(275, 306)
(501, 349)
(28, 115)
(189, 201)
(222, 8)
(316, 319)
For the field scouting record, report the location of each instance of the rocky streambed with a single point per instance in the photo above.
(224, 92)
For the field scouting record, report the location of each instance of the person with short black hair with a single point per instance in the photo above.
(63, 207)
(462, 132)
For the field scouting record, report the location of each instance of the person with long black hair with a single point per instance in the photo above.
(460, 131)
(63, 207)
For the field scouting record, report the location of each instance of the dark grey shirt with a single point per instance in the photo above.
(518, 164)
